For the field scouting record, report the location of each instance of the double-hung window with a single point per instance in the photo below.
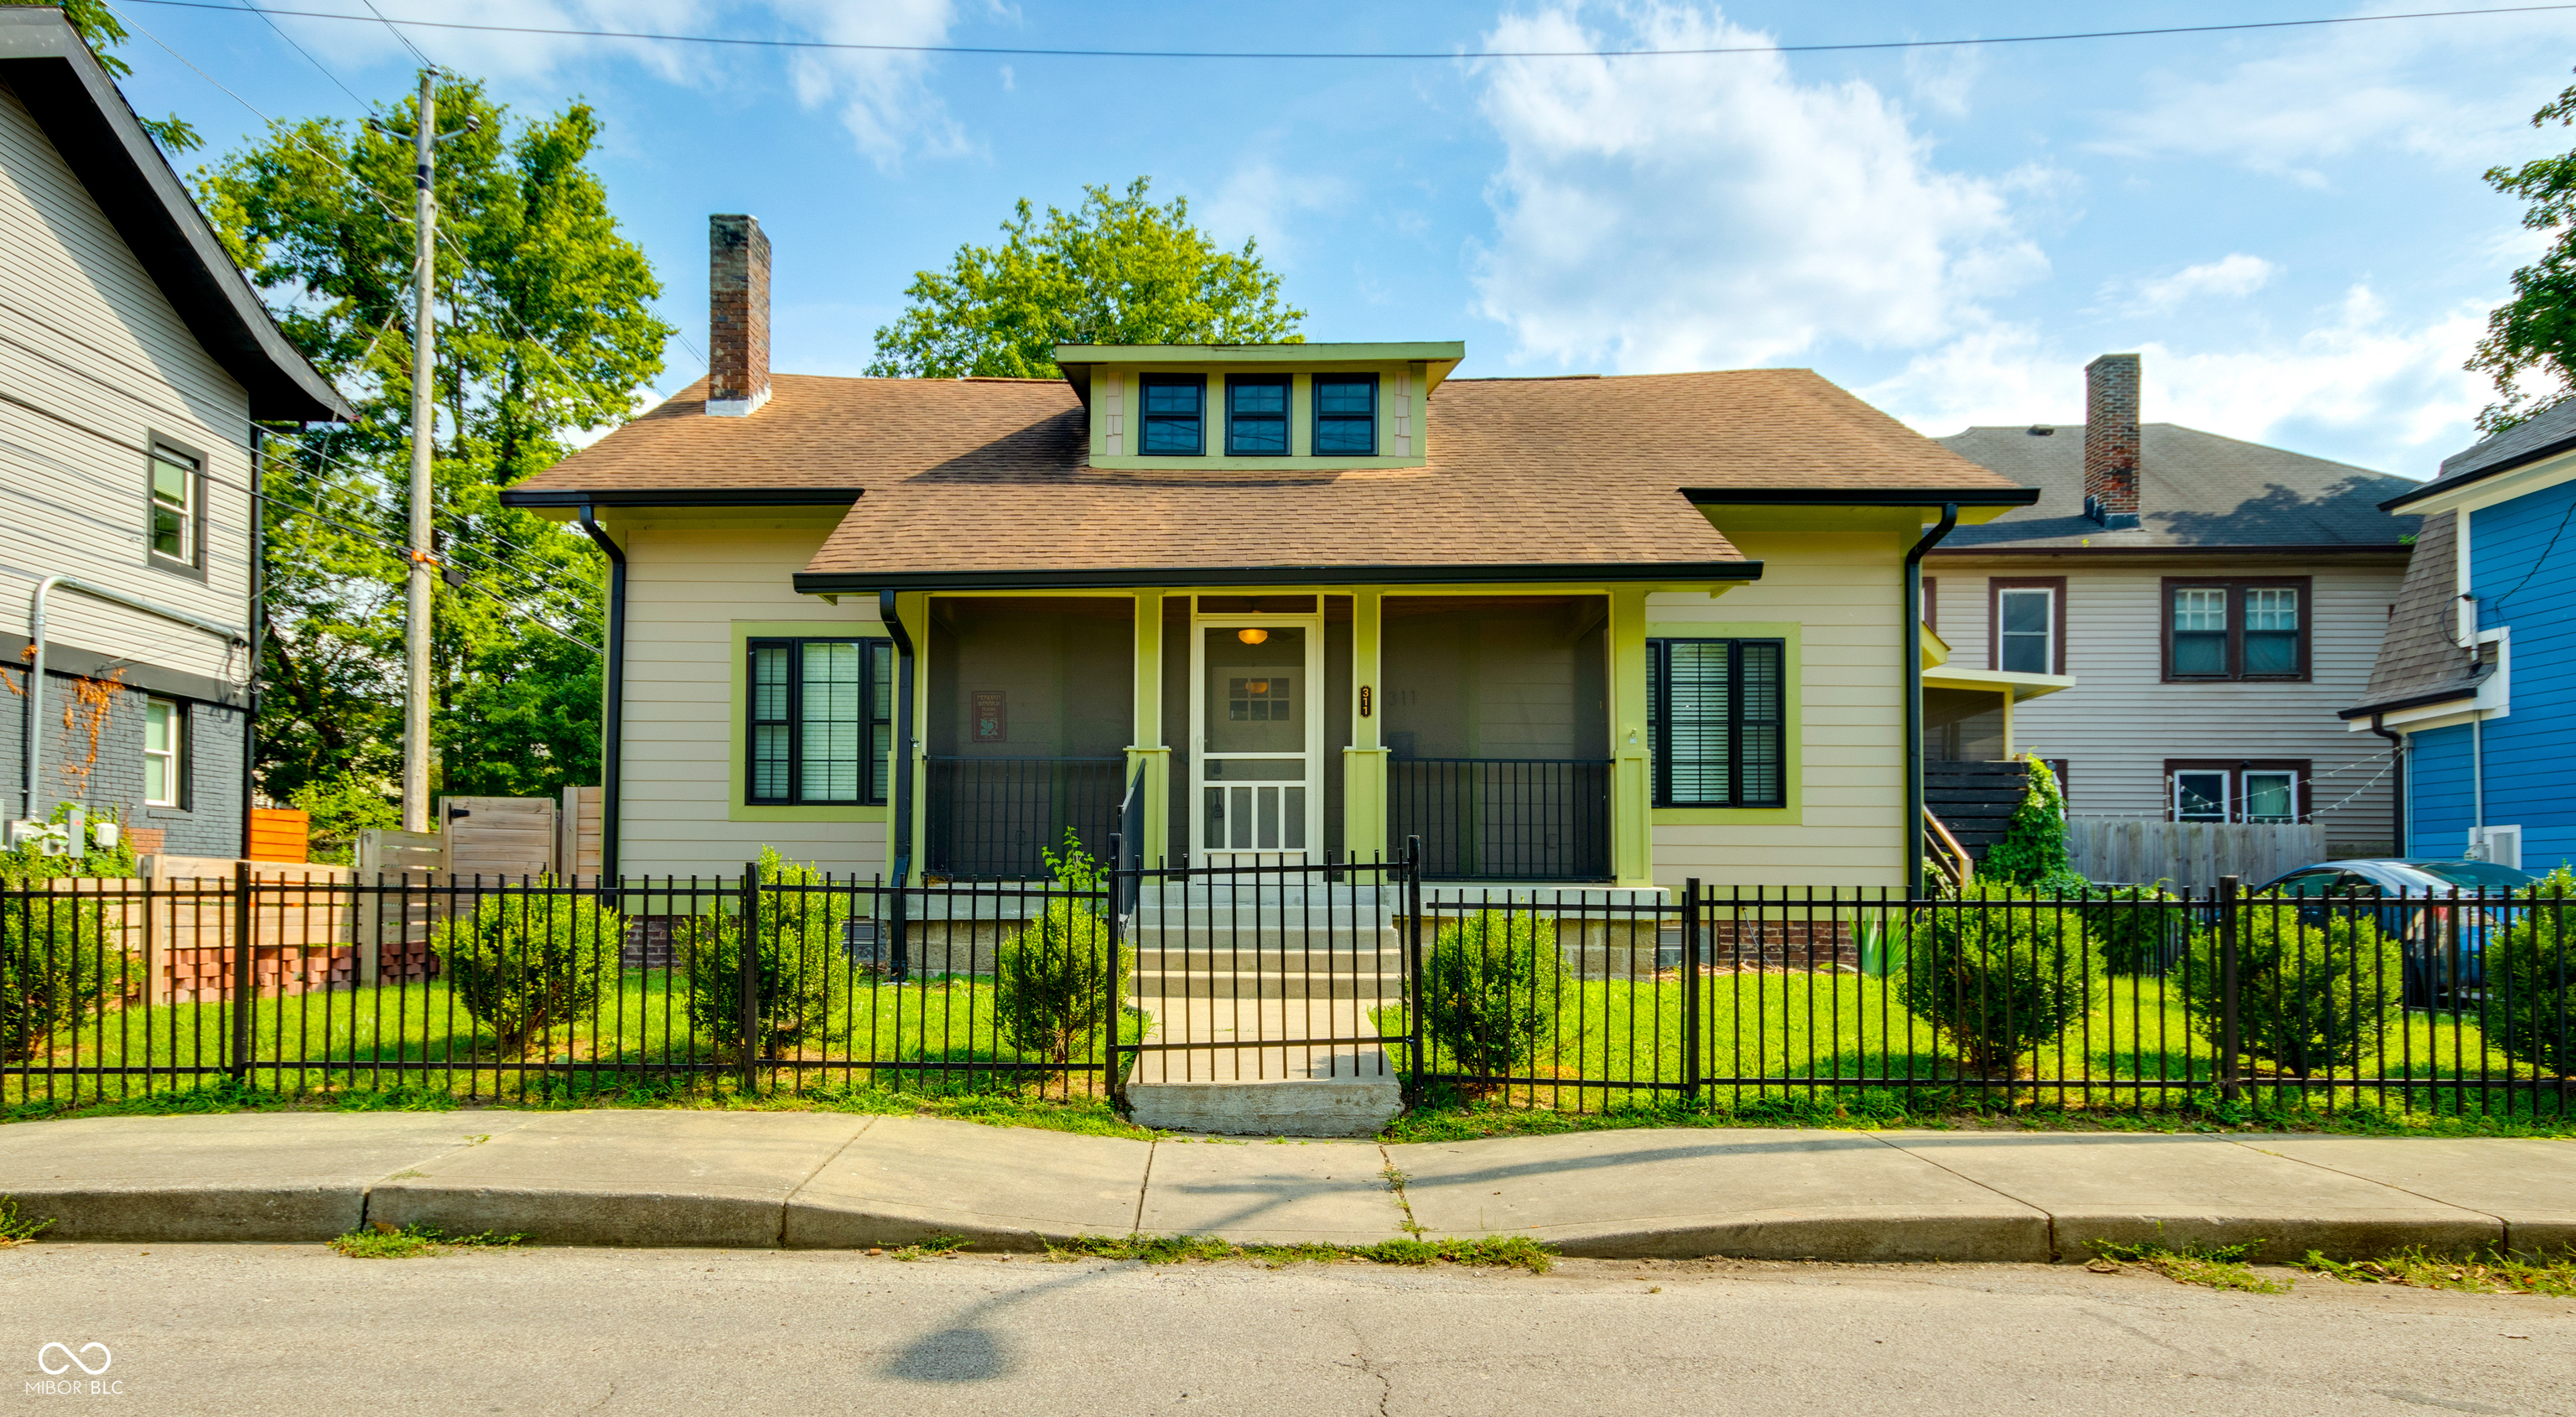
(2029, 625)
(165, 753)
(1716, 713)
(1174, 408)
(2236, 629)
(1345, 415)
(1256, 416)
(820, 721)
(172, 499)
(2244, 791)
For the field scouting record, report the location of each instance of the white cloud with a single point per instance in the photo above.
(508, 58)
(1939, 79)
(1715, 212)
(2459, 91)
(2235, 274)
(2387, 394)
(882, 97)
(1258, 201)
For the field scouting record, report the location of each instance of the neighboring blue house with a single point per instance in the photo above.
(2477, 677)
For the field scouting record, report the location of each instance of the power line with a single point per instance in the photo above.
(300, 49)
(400, 36)
(1034, 52)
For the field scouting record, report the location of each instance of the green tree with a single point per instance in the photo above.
(1119, 270)
(2033, 851)
(544, 329)
(2534, 333)
(99, 28)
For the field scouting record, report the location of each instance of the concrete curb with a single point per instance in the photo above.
(828, 1181)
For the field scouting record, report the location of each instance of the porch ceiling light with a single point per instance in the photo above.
(1252, 637)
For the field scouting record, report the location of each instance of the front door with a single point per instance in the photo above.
(1257, 696)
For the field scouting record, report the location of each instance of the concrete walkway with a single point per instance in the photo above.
(825, 1180)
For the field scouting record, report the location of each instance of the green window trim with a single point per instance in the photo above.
(818, 720)
(1345, 415)
(1717, 720)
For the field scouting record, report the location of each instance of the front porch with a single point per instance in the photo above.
(1277, 729)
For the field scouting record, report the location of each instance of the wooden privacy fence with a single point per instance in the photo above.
(176, 921)
(2190, 855)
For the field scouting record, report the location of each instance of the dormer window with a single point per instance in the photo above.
(1256, 416)
(1175, 409)
(1346, 415)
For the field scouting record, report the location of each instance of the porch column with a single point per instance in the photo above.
(913, 608)
(1364, 829)
(1148, 753)
(1632, 817)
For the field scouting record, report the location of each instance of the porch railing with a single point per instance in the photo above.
(1504, 819)
(994, 819)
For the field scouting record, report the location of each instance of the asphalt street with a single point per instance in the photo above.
(261, 1329)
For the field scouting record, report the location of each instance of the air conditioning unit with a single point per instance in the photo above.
(2501, 845)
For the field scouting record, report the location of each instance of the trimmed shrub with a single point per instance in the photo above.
(2531, 982)
(1491, 984)
(2000, 981)
(2133, 935)
(526, 964)
(798, 977)
(1051, 982)
(59, 965)
(2310, 996)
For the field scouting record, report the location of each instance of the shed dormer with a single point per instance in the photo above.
(1257, 406)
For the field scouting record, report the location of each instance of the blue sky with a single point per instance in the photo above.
(2288, 223)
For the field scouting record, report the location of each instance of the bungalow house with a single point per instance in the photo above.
(2472, 686)
(1317, 598)
(2219, 600)
(134, 359)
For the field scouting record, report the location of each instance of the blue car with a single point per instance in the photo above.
(2445, 943)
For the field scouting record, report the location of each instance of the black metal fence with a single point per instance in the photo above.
(1504, 819)
(997, 818)
(1125, 975)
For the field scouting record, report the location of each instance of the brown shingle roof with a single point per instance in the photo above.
(989, 476)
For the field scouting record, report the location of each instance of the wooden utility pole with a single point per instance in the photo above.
(415, 774)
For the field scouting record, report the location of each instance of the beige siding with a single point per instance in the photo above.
(86, 336)
(2121, 722)
(686, 589)
(1843, 594)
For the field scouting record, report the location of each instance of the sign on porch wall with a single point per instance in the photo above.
(992, 717)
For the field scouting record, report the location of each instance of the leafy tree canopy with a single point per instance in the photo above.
(544, 329)
(1119, 270)
(101, 31)
(2534, 334)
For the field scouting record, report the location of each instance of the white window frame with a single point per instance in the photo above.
(170, 718)
(2047, 596)
(2244, 804)
(194, 469)
(2226, 793)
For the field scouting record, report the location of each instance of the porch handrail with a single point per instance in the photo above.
(1504, 819)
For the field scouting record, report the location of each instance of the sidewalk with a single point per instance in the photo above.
(827, 1180)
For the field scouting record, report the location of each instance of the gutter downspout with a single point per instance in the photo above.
(612, 727)
(898, 950)
(2478, 780)
(1910, 644)
(30, 752)
(2397, 795)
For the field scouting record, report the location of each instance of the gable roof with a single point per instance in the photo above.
(986, 481)
(2545, 434)
(88, 121)
(2419, 661)
(2196, 492)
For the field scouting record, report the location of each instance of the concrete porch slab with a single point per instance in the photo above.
(908, 1178)
(2208, 1190)
(253, 1176)
(624, 1178)
(2529, 1184)
(1357, 1102)
(1751, 1194)
(1272, 1193)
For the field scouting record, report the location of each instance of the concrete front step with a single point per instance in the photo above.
(1152, 984)
(1291, 941)
(1221, 958)
(1288, 1108)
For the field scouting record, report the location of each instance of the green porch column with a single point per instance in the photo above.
(1632, 817)
(1365, 832)
(1149, 753)
(913, 609)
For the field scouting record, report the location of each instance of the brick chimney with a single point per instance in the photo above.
(2111, 440)
(737, 316)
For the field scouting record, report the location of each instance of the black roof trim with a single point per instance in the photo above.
(1149, 577)
(689, 497)
(1858, 497)
(2444, 484)
(89, 122)
(1950, 551)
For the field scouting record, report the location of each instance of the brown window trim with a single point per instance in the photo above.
(2236, 586)
(1995, 588)
(2236, 768)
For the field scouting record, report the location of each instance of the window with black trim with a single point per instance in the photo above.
(1256, 415)
(2240, 790)
(174, 502)
(1175, 414)
(1345, 415)
(1715, 712)
(819, 721)
(2253, 628)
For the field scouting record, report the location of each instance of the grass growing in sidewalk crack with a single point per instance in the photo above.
(2487, 1273)
(933, 1247)
(1493, 1252)
(381, 1241)
(16, 1229)
(2213, 1266)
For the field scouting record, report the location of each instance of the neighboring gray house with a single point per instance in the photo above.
(134, 358)
(2218, 601)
